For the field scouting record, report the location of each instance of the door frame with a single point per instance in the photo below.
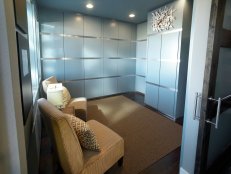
(217, 37)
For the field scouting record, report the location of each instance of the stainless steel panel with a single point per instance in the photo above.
(141, 49)
(92, 47)
(93, 68)
(73, 24)
(76, 89)
(110, 86)
(110, 28)
(154, 47)
(110, 67)
(125, 31)
(142, 31)
(227, 16)
(92, 26)
(50, 21)
(74, 69)
(126, 84)
(151, 95)
(153, 71)
(124, 49)
(73, 47)
(51, 46)
(140, 84)
(53, 68)
(167, 102)
(168, 74)
(126, 67)
(170, 45)
(141, 67)
(110, 48)
(93, 88)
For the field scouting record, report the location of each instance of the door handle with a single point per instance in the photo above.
(195, 115)
(217, 114)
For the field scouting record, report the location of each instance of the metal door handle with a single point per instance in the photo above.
(217, 115)
(195, 116)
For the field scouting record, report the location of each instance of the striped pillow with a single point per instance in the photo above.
(85, 135)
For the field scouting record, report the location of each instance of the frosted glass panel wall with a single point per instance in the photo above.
(92, 56)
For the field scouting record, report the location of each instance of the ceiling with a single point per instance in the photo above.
(114, 9)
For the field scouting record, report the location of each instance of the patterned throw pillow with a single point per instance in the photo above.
(66, 96)
(85, 135)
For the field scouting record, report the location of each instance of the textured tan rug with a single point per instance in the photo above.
(148, 136)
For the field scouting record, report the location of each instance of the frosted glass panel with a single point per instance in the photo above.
(142, 31)
(110, 28)
(52, 46)
(93, 88)
(141, 67)
(166, 101)
(73, 24)
(92, 47)
(170, 43)
(151, 95)
(168, 74)
(141, 49)
(93, 68)
(110, 67)
(140, 84)
(74, 69)
(153, 71)
(126, 84)
(154, 46)
(51, 21)
(76, 89)
(73, 47)
(126, 67)
(53, 68)
(124, 31)
(227, 16)
(92, 26)
(110, 48)
(110, 86)
(124, 49)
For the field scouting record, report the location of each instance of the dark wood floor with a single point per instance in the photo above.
(167, 165)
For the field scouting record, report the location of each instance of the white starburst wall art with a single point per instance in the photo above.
(162, 19)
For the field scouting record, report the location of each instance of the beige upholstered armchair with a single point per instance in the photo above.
(73, 159)
(79, 104)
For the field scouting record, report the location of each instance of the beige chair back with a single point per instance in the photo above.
(63, 137)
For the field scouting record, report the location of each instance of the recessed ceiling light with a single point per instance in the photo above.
(90, 5)
(132, 15)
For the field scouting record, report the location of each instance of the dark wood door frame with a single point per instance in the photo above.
(217, 37)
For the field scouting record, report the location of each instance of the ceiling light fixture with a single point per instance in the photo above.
(132, 15)
(89, 5)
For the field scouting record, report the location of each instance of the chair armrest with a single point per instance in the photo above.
(78, 103)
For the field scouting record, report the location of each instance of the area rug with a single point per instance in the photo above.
(148, 136)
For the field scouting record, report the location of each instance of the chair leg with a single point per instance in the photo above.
(120, 162)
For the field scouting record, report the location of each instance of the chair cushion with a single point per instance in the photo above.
(85, 135)
(66, 96)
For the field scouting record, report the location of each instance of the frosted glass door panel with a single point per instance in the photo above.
(126, 84)
(92, 47)
(110, 48)
(168, 74)
(110, 86)
(73, 47)
(227, 16)
(140, 84)
(126, 67)
(151, 95)
(124, 49)
(93, 68)
(76, 89)
(166, 102)
(125, 31)
(51, 21)
(142, 31)
(73, 24)
(170, 44)
(92, 26)
(141, 49)
(141, 67)
(74, 69)
(110, 67)
(93, 88)
(110, 28)
(154, 46)
(52, 46)
(153, 71)
(53, 68)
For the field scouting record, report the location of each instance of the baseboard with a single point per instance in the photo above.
(183, 171)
